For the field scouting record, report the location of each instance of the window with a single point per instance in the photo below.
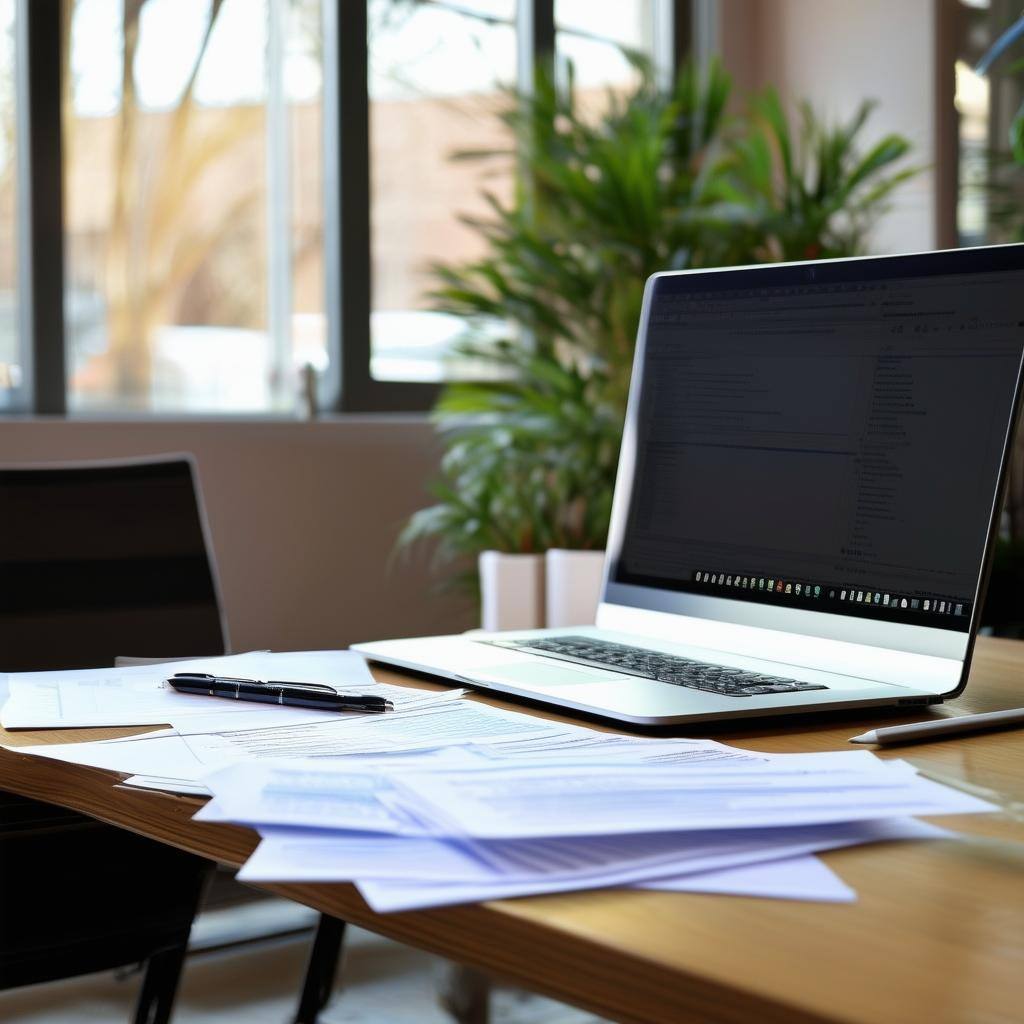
(193, 220)
(247, 194)
(988, 200)
(597, 40)
(10, 352)
(435, 85)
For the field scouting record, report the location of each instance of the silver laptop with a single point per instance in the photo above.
(807, 498)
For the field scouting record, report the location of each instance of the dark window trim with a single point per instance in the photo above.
(678, 25)
(40, 205)
(348, 386)
(946, 168)
(347, 239)
(348, 259)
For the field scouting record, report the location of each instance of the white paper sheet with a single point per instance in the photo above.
(182, 787)
(303, 794)
(433, 720)
(405, 698)
(300, 855)
(162, 753)
(577, 742)
(386, 896)
(795, 878)
(461, 721)
(140, 695)
(551, 800)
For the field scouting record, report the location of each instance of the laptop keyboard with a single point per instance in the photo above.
(665, 668)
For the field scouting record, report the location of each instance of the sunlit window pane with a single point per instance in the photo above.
(597, 39)
(972, 104)
(193, 212)
(436, 72)
(10, 350)
(989, 193)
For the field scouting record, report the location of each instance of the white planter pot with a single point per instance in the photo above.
(511, 591)
(573, 586)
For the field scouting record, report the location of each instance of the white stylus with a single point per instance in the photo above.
(939, 728)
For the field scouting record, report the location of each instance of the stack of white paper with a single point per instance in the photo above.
(414, 873)
(447, 800)
(430, 828)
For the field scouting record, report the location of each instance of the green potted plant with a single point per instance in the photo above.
(665, 179)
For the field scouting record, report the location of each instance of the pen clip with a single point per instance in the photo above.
(319, 687)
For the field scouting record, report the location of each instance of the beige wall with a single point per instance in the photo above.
(303, 516)
(836, 53)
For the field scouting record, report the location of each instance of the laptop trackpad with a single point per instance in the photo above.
(543, 675)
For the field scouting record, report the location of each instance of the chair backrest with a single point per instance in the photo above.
(101, 559)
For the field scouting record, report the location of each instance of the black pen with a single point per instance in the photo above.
(276, 691)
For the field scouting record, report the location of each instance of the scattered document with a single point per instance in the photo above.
(139, 695)
(259, 722)
(303, 855)
(162, 753)
(333, 856)
(351, 796)
(459, 722)
(447, 800)
(183, 787)
(142, 758)
(549, 874)
(576, 742)
(386, 896)
(544, 801)
(427, 721)
(796, 878)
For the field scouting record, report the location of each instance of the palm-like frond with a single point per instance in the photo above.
(665, 179)
(815, 195)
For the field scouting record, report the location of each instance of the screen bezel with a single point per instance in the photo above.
(913, 639)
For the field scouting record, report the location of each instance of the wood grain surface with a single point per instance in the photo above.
(936, 936)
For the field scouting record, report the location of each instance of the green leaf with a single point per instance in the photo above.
(658, 179)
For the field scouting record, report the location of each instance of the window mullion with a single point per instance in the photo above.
(279, 209)
(672, 37)
(535, 38)
(706, 42)
(41, 203)
(346, 199)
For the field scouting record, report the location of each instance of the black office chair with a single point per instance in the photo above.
(97, 559)
(78, 896)
(100, 560)
(103, 559)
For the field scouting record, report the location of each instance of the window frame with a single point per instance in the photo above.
(40, 207)
(348, 386)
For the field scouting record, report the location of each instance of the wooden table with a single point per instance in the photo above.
(937, 934)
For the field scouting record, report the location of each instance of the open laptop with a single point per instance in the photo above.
(808, 493)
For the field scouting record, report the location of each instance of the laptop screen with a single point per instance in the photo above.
(826, 438)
